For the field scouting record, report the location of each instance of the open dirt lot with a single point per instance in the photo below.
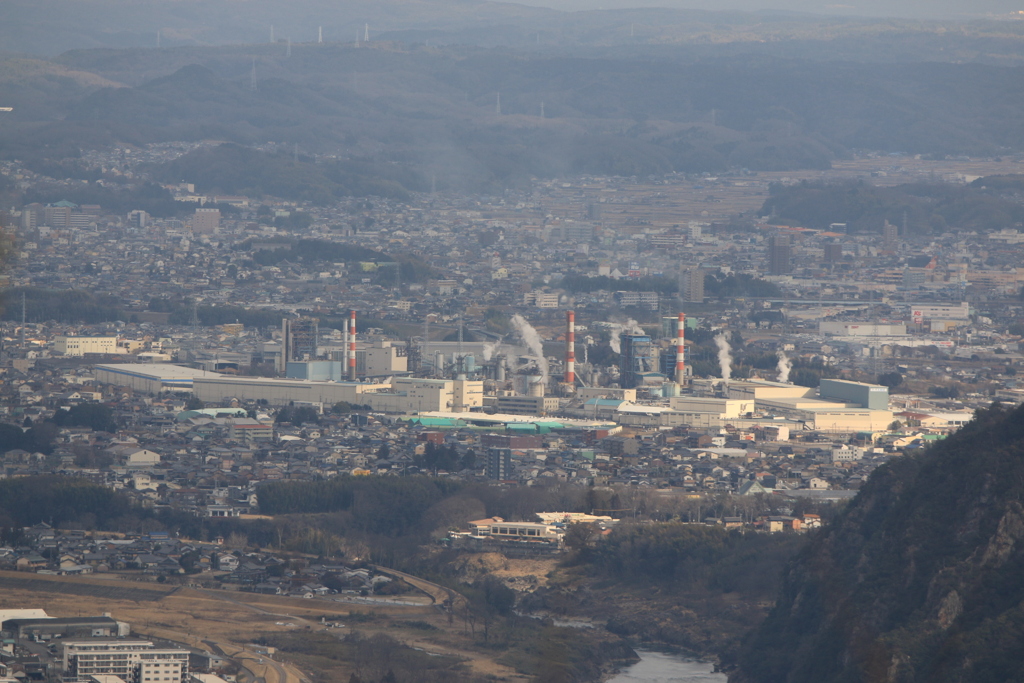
(228, 622)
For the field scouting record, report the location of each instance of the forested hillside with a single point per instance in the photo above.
(402, 118)
(986, 204)
(921, 578)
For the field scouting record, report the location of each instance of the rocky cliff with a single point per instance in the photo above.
(920, 579)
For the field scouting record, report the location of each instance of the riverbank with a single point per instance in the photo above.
(662, 667)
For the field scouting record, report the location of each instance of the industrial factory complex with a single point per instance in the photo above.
(451, 386)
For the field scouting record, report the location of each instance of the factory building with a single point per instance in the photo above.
(639, 358)
(378, 359)
(871, 396)
(526, 405)
(839, 406)
(74, 627)
(151, 378)
(381, 359)
(861, 329)
(281, 392)
(762, 390)
(727, 408)
(403, 395)
(413, 395)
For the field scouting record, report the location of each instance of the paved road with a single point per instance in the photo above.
(438, 593)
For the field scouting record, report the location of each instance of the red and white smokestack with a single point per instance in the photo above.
(352, 346)
(681, 349)
(570, 348)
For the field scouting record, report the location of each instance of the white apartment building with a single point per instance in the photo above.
(133, 661)
(79, 346)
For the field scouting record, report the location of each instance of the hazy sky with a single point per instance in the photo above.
(924, 9)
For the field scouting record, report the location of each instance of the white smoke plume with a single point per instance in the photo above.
(724, 355)
(489, 349)
(618, 329)
(784, 366)
(533, 342)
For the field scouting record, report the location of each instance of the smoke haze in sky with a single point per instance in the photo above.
(919, 9)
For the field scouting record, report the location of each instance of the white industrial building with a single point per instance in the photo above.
(151, 378)
(862, 329)
(281, 392)
(932, 311)
(726, 407)
(403, 395)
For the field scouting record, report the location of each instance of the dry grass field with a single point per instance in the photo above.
(229, 622)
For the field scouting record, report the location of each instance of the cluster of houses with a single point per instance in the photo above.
(45, 550)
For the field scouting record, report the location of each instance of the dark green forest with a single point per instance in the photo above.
(64, 305)
(693, 557)
(146, 196)
(923, 208)
(25, 501)
(918, 579)
(312, 251)
(234, 169)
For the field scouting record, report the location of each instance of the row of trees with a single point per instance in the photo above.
(716, 285)
(40, 436)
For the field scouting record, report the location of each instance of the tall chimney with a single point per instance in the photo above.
(681, 349)
(570, 348)
(286, 346)
(352, 346)
(344, 347)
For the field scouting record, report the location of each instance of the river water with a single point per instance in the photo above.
(658, 667)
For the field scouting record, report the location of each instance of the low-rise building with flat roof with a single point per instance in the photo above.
(151, 378)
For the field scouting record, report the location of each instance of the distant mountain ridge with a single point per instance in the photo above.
(920, 579)
(432, 110)
(699, 27)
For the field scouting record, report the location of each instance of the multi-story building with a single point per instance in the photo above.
(79, 346)
(833, 252)
(692, 285)
(499, 463)
(206, 221)
(541, 299)
(526, 405)
(890, 235)
(780, 255)
(58, 215)
(648, 300)
(131, 660)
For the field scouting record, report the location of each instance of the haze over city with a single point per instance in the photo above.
(542, 342)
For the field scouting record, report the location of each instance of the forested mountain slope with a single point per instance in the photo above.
(920, 579)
